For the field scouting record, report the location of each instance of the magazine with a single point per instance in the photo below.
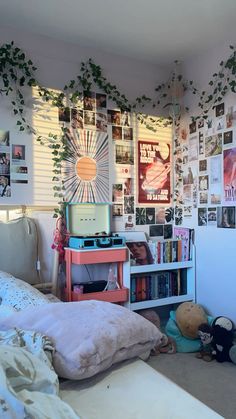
(186, 235)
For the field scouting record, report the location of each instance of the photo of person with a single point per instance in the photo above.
(101, 121)
(202, 165)
(77, 121)
(89, 101)
(113, 117)
(89, 118)
(125, 118)
(4, 163)
(150, 215)
(4, 138)
(129, 222)
(202, 216)
(18, 152)
(140, 253)
(129, 205)
(128, 186)
(101, 100)
(160, 215)
(64, 114)
(213, 145)
(192, 127)
(128, 134)
(124, 154)
(117, 192)
(226, 217)
(203, 183)
(117, 210)
(5, 188)
(116, 133)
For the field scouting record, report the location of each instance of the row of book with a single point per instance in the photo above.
(158, 285)
(178, 249)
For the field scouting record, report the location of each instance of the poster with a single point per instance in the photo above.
(154, 173)
(230, 174)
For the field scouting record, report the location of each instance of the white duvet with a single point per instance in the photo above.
(89, 336)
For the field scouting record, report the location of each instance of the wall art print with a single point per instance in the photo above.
(154, 173)
(86, 170)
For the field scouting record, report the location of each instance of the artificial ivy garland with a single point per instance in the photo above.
(18, 72)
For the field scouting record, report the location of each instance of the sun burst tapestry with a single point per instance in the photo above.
(86, 170)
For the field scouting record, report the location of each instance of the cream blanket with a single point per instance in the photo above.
(28, 386)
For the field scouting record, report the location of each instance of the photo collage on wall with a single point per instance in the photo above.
(205, 168)
(95, 134)
(13, 168)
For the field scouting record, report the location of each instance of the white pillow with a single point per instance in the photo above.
(89, 336)
(19, 294)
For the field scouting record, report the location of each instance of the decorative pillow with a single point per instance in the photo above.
(183, 344)
(19, 294)
(89, 336)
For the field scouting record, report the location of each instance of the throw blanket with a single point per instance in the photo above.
(28, 385)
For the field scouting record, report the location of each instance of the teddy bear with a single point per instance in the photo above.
(167, 344)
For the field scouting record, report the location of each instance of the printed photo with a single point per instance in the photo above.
(201, 147)
(4, 138)
(202, 216)
(188, 211)
(160, 215)
(200, 123)
(113, 117)
(89, 101)
(140, 253)
(150, 215)
(77, 121)
(4, 163)
(202, 165)
(129, 222)
(101, 100)
(213, 145)
(101, 122)
(178, 216)
(220, 109)
(89, 118)
(203, 183)
(226, 217)
(128, 134)
(193, 149)
(117, 192)
(18, 152)
(128, 204)
(116, 133)
(5, 187)
(220, 124)
(203, 198)
(140, 216)
(192, 127)
(156, 231)
(124, 154)
(216, 170)
(128, 186)
(228, 137)
(117, 210)
(169, 214)
(230, 174)
(125, 118)
(211, 216)
(64, 114)
(168, 231)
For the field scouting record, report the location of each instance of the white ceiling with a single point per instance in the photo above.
(152, 30)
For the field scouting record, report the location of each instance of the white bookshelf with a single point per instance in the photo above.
(189, 266)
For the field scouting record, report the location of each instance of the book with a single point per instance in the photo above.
(186, 235)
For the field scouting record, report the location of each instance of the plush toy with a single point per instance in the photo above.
(167, 344)
(189, 316)
(223, 335)
(205, 335)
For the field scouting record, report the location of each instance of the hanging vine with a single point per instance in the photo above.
(17, 73)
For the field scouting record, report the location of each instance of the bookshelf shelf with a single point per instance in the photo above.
(184, 270)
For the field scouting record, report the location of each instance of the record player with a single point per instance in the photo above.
(89, 226)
